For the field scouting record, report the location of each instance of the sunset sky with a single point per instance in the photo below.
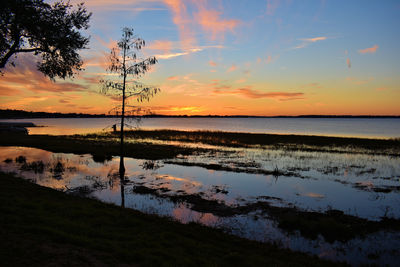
(255, 57)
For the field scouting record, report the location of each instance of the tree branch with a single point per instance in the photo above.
(29, 50)
(4, 59)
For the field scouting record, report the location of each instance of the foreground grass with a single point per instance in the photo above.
(41, 226)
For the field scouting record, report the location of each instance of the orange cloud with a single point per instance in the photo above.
(359, 82)
(369, 50)
(9, 91)
(211, 22)
(242, 80)
(172, 78)
(176, 109)
(312, 86)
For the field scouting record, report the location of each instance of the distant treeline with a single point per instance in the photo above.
(22, 114)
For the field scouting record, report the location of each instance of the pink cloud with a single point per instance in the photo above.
(272, 5)
(160, 45)
(212, 63)
(211, 22)
(248, 92)
(315, 39)
(348, 63)
(26, 76)
(232, 68)
(369, 50)
(182, 21)
(307, 41)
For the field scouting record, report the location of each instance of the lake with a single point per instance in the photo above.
(346, 127)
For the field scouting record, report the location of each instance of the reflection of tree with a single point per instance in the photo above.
(125, 62)
(122, 192)
(113, 177)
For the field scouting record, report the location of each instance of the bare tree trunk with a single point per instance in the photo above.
(121, 161)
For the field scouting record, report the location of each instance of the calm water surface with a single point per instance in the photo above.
(370, 128)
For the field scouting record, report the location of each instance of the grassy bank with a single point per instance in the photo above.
(41, 226)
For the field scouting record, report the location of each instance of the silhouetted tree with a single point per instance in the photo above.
(125, 61)
(51, 31)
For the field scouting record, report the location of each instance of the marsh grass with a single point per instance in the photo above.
(296, 142)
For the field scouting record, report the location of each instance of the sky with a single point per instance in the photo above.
(215, 57)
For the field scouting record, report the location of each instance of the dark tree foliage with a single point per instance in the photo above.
(51, 31)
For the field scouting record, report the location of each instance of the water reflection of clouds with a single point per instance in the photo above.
(186, 215)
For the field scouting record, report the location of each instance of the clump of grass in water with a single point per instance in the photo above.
(150, 165)
(20, 159)
(8, 160)
(58, 170)
(36, 166)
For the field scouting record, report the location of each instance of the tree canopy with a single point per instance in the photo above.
(50, 31)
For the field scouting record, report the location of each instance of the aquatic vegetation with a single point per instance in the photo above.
(20, 159)
(36, 166)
